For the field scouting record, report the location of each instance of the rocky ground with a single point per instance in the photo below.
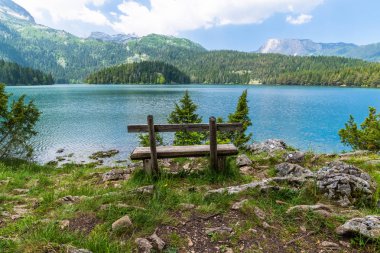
(272, 198)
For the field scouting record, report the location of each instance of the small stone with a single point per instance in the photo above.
(60, 151)
(252, 230)
(157, 242)
(330, 246)
(144, 246)
(122, 223)
(266, 225)
(116, 174)
(186, 206)
(70, 199)
(320, 209)
(228, 250)
(71, 249)
(64, 224)
(239, 205)
(219, 230)
(243, 160)
(145, 189)
(295, 157)
(345, 244)
(303, 228)
(259, 213)
(189, 242)
(20, 191)
(246, 170)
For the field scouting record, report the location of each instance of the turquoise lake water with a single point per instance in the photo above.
(83, 119)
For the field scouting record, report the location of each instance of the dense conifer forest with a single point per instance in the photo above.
(14, 74)
(143, 72)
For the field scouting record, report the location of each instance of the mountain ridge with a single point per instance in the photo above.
(307, 47)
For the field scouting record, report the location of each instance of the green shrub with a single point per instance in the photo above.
(367, 137)
(17, 123)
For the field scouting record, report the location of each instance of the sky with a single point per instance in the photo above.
(216, 24)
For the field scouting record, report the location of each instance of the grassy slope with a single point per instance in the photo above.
(92, 216)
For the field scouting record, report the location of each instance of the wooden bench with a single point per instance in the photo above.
(217, 152)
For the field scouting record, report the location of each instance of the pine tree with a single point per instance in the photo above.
(185, 113)
(241, 115)
(366, 137)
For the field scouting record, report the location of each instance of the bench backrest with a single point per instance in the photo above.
(225, 127)
(212, 127)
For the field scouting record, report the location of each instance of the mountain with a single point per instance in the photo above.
(117, 38)
(305, 47)
(70, 58)
(10, 10)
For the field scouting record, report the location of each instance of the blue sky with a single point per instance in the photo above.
(217, 24)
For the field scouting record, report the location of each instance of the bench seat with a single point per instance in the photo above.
(142, 153)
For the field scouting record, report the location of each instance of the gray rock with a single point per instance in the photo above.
(246, 170)
(295, 157)
(122, 223)
(329, 246)
(243, 160)
(116, 174)
(71, 249)
(157, 242)
(368, 226)
(186, 206)
(269, 146)
(259, 213)
(144, 246)
(292, 170)
(356, 153)
(345, 184)
(239, 205)
(145, 189)
(320, 209)
(219, 230)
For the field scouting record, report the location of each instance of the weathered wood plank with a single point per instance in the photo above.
(185, 127)
(152, 143)
(142, 153)
(213, 145)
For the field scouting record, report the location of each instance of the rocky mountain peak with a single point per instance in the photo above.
(9, 9)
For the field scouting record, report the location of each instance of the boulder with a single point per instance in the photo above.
(368, 226)
(243, 160)
(292, 170)
(345, 184)
(122, 223)
(143, 245)
(295, 157)
(116, 174)
(268, 146)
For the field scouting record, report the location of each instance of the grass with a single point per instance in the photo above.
(40, 231)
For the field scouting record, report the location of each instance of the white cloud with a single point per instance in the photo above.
(164, 16)
(299, 20)
(58, 11)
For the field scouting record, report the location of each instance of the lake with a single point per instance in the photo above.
(83, 119)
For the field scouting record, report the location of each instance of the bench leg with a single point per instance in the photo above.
(147, 166)
(221, 162)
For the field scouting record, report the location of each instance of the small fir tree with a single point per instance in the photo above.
(185, 113)
(366, 137)
(17, 124)
(241, 115)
